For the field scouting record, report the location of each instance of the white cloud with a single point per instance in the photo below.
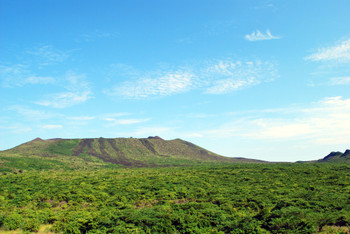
(259, 36)
(24, 73)
(31, 114)
(47, 55)
(20, 75)
(228, 85)
(230, 76)
(81, 118)
(194, 135)
(340, 53)
(324, 122)
(163, 85)
(113, 115)
(93, 36)
(340, 80)
(214, 77)
(65, 99)
(78, 91)
(13, 75)
(125, 121)
(51, 126)
(20, 129)
(40, 80)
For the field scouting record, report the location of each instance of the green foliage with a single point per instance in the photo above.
(234, 198)
(96, 153)
(62, 147)
(18, 164)
(13, 221)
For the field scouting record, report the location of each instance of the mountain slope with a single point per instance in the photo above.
(337, 157)
(107, 152)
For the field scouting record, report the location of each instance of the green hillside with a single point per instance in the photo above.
(337, 157)
(93, 153)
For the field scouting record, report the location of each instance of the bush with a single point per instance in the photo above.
(31, 224)
(13, 221)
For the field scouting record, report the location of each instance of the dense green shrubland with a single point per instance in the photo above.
(241, 198)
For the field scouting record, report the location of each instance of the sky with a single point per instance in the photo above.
(260, 79)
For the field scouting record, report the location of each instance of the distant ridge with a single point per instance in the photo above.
(101, 152)
(337, 157)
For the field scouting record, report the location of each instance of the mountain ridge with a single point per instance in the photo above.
(86, 153)
(337, 156)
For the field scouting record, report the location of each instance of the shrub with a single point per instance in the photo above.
(13, 221)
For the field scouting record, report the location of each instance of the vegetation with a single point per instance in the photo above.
(100, 153)
(337, 157)
(232, 198)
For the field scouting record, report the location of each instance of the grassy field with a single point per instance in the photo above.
(236, 198)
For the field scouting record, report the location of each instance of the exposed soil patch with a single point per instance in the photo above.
(82, 144)
(116, 157)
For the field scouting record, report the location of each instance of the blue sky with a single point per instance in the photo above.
(259, 79)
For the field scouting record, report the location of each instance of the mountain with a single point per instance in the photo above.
(337, 157)
(101, 152)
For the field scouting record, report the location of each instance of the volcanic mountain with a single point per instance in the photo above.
(337, 157)
(107, 152)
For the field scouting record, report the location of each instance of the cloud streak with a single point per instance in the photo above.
(78, 91)
(47, 55)
(212, 77)
(23, 73)
(160, 85)
(324, 122)
(51, 126)
(81, 118)
(339, 53)
(345, 80)
(31, 114)
(259, 36)
(231, 76)
(20, 75)
(125, 121)
(93, 36)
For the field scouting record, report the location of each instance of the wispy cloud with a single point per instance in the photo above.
(78, 91)
(81, 118)
(52, 126)
(66, 99)
(95, 35)
(213, 77)
(160, 85)
(40, 80)
(339, 53)
(20, 75)
(259, 36)
(28, 70)
(13, 75)
(125, 121)
(345, 80)
(324, 122)
(114, 115)
(47, 55)
(231, 76)
(19, 129)
(267, 4)
(31, 114)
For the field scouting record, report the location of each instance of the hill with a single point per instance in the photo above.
(92, 153)
(337, 157)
